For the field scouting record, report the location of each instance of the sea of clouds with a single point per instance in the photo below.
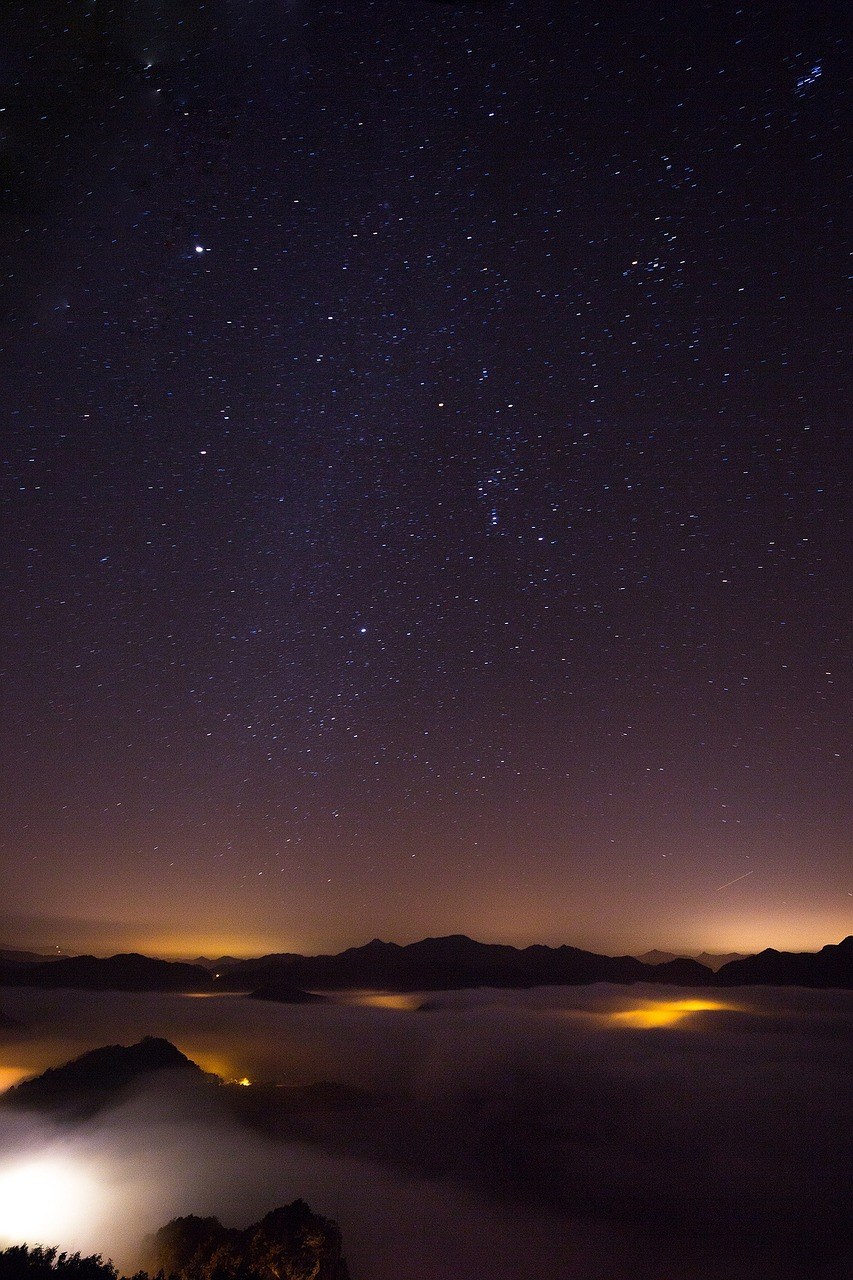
(594, 1133)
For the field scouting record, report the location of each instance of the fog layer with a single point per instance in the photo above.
(588, 1132)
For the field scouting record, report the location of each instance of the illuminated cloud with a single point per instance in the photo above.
(663, 1013)
(47, 1198)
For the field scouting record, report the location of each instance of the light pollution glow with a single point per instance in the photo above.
(645, 1016)
(665, 1013)
(745, 916)
(649, 1014)
(10, 1076)
(747, 936)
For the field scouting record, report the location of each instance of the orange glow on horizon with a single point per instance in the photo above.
(212, 1063)
(10, 1076)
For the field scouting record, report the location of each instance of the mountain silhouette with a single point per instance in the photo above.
(832, 966)
(24, 957)
(82, 1087)
(660, 957)
(715, 960)
(710, 959)
(454, 962)
(130, 972)
(434, 964)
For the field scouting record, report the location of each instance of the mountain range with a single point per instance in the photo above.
(114, 973)
(433, 964)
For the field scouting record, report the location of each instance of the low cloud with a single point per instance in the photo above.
(508, 1134)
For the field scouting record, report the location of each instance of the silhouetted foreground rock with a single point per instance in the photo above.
(291, 1243)
(94, 1080)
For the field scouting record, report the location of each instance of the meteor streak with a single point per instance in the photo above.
(729, 883)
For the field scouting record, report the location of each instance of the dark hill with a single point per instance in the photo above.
(284, 993)
(85, 1085)
(832, 966)
(291, 1243)
(116, 973)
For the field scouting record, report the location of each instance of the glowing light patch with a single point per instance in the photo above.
(212, 1063)
(216, 1066)
(382, 999)
(211, 995)
(44, 1200)
(663, 1013)
(12, 1075)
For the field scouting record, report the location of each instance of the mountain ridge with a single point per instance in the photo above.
(710, 959)
(453, 962)
(83, 1086)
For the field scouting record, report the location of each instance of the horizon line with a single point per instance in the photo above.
(188, 957)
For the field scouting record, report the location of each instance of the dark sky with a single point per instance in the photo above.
(423, 474)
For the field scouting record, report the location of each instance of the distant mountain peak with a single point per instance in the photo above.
(85, 1084)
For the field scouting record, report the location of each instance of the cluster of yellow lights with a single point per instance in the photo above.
(663, 1013)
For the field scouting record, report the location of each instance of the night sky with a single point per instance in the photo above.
(423, 475)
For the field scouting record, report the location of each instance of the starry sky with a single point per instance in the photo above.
(422, 473)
